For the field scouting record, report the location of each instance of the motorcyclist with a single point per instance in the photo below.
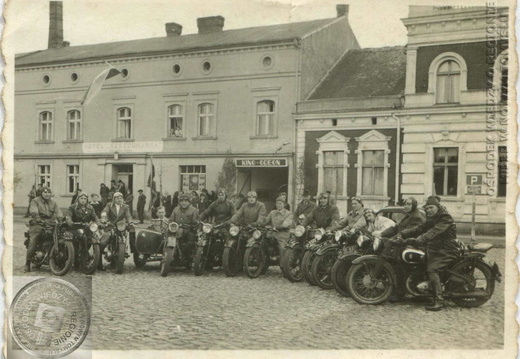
(252, 212)
(376, 224)
(160, 224)
(81, 211)
(355, 218)
(438, 234)
(186, 214)
(324, 215)
(41, 209)
(222, 209)
(304, 207)
(412, 218)
(281, 220)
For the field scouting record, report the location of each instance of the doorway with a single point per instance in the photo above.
(124, 173)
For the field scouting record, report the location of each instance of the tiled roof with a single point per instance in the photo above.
(238, 37)
(365, 73)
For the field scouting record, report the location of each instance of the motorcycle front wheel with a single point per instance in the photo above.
(62, 258)
(91, 260)
(292, 263)
(254, 261)
(339, 276)
(308, 258)
(199, 262)
(166, 261)
(367, 290)
(479, 279)
(229, 262)
(120, 258)
(322, 267)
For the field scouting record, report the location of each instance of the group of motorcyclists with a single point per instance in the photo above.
(437, 234)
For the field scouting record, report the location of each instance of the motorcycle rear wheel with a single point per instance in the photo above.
(322, 267)
(254, 261)
(292, 263)
(339, 276)
(229, 262)
(200, 261)
(120, 258)
(482, 278)
(365, 290)
(166, 261)
(91, 260)
(308, 258)
(61, 258)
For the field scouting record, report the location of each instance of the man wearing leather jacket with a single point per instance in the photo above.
(252, 212)
(305, 207)
(186, 214)
(42, 208)
(324, 215)
(222, 209)
(281, 219)
(412, 218)
(438, 235)
(81, 211)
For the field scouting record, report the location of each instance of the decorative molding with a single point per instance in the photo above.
(179, 94)
(202, 93)
(272, 88)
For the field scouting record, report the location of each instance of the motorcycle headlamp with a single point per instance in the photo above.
(173, 227)
(376, 244)
(234, 231)
(121, 226)
(299, 231)
(360, 240)
(93, 227)
(319, 234)
(257, 234)
(206, 228)
(81, 231)
(337, 235)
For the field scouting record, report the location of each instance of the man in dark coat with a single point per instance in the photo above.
(81, 211)
(413, 218)
(185, 213)
(438, 235)
(324, 215)
(305, 207)
(141, 202)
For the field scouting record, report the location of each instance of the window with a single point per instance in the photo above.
(45, 126)
(72, 178)
(333, 167)
(448, 82)
(502, 171)
(124, 123)
(44, 175)
(193, 178)
(175, 121)
(74, 125)
(265, 117)
(373, 173)
(206, 118)
(445, 171)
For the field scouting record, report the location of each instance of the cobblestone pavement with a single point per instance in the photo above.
(142, 310)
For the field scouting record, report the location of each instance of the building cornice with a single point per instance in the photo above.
(131, 156)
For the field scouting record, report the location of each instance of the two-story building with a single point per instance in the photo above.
(182, 102)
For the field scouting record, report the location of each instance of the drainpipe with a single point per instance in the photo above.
(397, 157)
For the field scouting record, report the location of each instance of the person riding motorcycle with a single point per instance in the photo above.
(113, 212)
(222, 209)
(186, 214)
(376, 224)
(355, 218)
(281, 219)
(252, 212)
(438, 234)
(413, 217)
(42, 208)
(81, 211)
(305, 207)
(324, 215)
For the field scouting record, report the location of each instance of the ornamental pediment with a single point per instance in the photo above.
(333, 137)
(373, 136)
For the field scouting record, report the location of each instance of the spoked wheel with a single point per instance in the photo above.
(254, 261)
(474, 277)
(365, 289)
(322, 267)
(308, 258)
(92, 256)
(62, 258)
(166, 261)
(292, 263)
(230, 263)
(140, 259)
(339, 275)
(200, 261)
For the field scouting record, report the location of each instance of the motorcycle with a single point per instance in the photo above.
(261, 251)
(345, 257)
(86, 246)
(234, 249)
(293, 254)
(173, 255)
(210, 246)
(54, 248)
(117, 248)
(320, 238)
(149, 244)
(327, 254)
(469, 281)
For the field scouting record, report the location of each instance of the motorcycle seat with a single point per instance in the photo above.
(480, 247)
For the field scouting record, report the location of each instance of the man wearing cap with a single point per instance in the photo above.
(281, 219)
(376, 224)
(141, 201)
(305, 207)
(324, 215)
(438, 235)
(252, 212)
(412, 218)
(81, 211)
(222, 209)
(42, 208)
(287, 206)
(185, 213)
(355, 218)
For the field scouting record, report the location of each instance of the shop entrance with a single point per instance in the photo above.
(267, 182)
(124, 173)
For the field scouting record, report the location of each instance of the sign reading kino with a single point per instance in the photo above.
(261, 162)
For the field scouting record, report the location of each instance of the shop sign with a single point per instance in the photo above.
(123, 146)
(474, 189)
(261, 162)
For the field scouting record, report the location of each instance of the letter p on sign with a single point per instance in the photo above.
(473, 179)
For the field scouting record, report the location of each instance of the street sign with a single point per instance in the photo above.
(474, 189)
(473, 179)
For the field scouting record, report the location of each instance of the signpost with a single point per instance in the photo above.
(474, 187)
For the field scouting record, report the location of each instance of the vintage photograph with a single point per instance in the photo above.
(265, 176)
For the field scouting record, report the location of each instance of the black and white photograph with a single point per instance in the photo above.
(254, 178)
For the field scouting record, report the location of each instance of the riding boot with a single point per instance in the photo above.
(438, 300)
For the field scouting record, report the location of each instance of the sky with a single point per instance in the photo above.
(375, 23)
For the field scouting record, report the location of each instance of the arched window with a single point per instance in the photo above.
(206, 117)
(175, 121)
(124, 122)
(448, 82)
(265, 112)
(74, 125)
(45, 120)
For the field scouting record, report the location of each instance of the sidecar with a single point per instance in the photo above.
(148, 247)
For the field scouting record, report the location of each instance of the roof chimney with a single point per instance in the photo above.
(55, 25)
(173, 29)
(342, 10)
(210, 24)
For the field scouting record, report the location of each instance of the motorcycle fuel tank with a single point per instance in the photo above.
(412, 256)
(148, 241)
